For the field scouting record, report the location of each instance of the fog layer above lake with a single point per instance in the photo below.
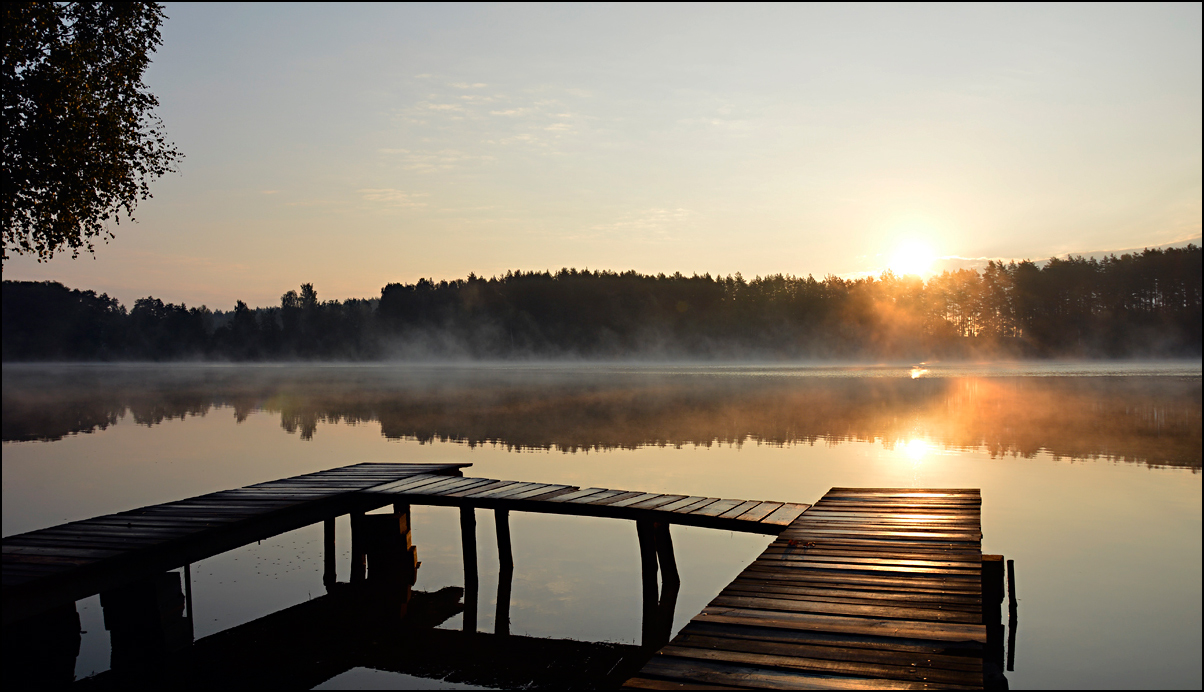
(1152, 415)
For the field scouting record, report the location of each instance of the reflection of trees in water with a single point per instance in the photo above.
(1153, 420)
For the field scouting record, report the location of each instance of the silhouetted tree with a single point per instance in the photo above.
(80, 140)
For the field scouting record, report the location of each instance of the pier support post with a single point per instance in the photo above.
(329, 572)
(646, 531)
(664, 554)
(992, 601)
(146, 620)
(501, 621)
(188, 601)
(1012, 623)
(468, 536)
(392, 560)
(358, 557)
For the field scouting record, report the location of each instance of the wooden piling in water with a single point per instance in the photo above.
(468, 537)
(329, 570)
(664, 553)
(358, 556)
(1012, 584)
(501, 621)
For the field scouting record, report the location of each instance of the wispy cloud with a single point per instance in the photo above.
(432, 160)
(393, 198)
(648, 225)
(465, 85)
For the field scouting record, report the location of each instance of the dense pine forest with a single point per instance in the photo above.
(1145, 304)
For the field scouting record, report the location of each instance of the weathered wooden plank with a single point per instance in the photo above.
(811, 659)
(411, 482)
(912, 629)
(456, 484)
(835, 540)
(595, 497)
(784, 591)
(634, 500)
(540, 492)
(181, 521)
(580, 493)
(862, 524)
(658, 501)
(717, 673)
(786, 563)
(512, 490)
(492, 485)
(739, 509)
(805, 556)
(785, 514)
(935, 651)
(68, 551)
(692, 507)
(887, 533)
(967, 607)
(888, 611)
(622, 495)
(820, 513)
(684, 502)
(491, 492)
(760, 511)
(867, 580)
(452, 483)
(894, 651)
(714, 509)
(967, 556)
(557, 492)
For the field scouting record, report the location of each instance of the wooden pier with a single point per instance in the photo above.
(869, 588)
(48, 567)
(752, 516)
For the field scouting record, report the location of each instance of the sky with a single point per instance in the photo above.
(353, 146)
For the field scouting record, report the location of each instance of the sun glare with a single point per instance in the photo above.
(912, 258)
(916, 449)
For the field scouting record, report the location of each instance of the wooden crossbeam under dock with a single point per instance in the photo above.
(63, 563)
(872, 588)
(753, 516)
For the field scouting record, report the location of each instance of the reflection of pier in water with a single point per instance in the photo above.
(882, 587)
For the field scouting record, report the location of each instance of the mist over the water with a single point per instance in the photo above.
(1151, 415)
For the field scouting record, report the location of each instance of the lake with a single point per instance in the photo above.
(1090, 478)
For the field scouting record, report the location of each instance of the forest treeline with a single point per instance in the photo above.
(1142, 304)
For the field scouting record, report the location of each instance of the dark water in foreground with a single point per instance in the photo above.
(1090, 475)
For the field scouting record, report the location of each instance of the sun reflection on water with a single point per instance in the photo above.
(916, 449)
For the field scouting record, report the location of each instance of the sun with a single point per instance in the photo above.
(912, 257)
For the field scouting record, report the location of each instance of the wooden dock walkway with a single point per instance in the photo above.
(64, 563)
(869, 589)
(752, 516)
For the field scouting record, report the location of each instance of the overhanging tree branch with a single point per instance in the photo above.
(81, 143)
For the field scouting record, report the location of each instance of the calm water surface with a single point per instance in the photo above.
(1090, 477)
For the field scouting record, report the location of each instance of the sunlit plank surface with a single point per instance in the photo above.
(872, 588)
